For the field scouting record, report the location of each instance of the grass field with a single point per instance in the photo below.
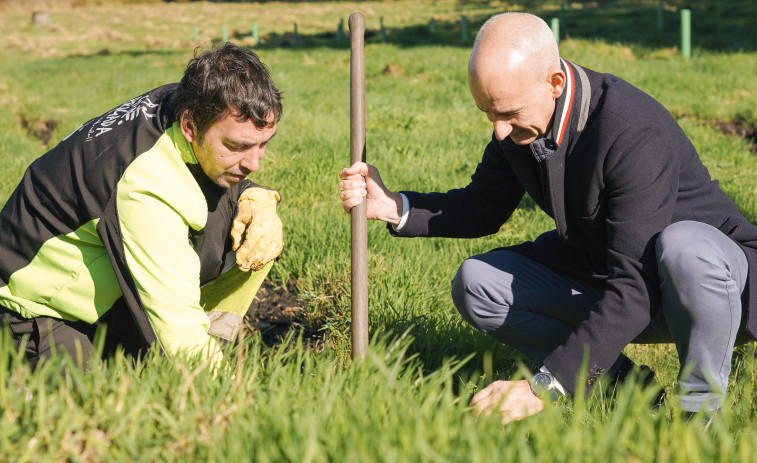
(303, 401)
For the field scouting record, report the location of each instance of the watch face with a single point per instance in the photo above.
(542, 383)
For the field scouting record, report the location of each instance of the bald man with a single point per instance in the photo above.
(646, 247)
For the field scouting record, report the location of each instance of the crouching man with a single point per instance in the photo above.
(646, 247)
(143, 219)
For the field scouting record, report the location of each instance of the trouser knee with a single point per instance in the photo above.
(459, 292)
(678, 254)
(691, 256)
(471, 298)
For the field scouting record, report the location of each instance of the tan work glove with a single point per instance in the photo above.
(264, 238)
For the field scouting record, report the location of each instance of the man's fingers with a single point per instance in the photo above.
(483, 401)
(495, 388)
(479, 396)
(351, 177)
(512, 399)
(355, 183)
(491, 397)
(359, 168)
(349, 203)
(352, 192)
(488, 404)
(348, 173)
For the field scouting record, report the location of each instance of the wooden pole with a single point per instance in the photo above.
(359, 234)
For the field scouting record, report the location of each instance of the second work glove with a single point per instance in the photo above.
(256, 232)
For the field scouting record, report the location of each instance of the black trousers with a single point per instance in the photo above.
(44, 337)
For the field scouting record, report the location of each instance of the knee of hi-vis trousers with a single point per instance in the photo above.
(227, 299)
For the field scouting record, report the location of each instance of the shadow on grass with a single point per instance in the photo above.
(717, 26)
(724, 26)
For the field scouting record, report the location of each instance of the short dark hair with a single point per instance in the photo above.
(227, 80)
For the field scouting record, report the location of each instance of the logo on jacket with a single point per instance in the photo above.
(127, 112)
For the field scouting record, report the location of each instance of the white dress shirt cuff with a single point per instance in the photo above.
(405, 213)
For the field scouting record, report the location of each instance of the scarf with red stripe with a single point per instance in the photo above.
(572, 108)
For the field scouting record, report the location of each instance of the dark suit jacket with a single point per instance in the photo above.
(614, 171)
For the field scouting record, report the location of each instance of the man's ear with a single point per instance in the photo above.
(187, 125)
(556, 79)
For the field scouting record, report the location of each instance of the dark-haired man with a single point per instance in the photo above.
(133, 218)
(646, 247)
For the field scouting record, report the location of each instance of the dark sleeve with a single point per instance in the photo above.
(214, 241)
(477, 210)
(641, 178)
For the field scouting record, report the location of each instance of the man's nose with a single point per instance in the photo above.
(502, 129)
(251, 162)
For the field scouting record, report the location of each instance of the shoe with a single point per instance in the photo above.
(643, 374)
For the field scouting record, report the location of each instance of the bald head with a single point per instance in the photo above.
(515, 77)
(514, 44)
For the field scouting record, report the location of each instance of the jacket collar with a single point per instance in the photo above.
(572, 107)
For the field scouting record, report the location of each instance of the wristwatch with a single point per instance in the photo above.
(543, 385)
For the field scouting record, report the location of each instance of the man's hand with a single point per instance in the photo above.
(362, 180)
(264, 238)
(513, 399)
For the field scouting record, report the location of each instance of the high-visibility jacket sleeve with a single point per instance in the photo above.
(155, 211)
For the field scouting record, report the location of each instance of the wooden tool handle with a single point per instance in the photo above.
(359, 233)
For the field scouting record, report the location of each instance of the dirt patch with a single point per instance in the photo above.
(393, 70)
(738, 127)
(40, 128)
(276, 311)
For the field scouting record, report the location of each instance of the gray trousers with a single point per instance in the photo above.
(702, 274)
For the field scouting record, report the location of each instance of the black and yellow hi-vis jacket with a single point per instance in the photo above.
(119, 209)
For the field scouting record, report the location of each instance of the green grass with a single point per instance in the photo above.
(407, 400)
(292, 405)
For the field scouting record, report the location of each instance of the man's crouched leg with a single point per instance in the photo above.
(45, 337)
(702, 274)
(520, 302)
(527, 306)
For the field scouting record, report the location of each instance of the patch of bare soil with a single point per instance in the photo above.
(393, 69)
(275, 312)
(40, 128)
(739, 128)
